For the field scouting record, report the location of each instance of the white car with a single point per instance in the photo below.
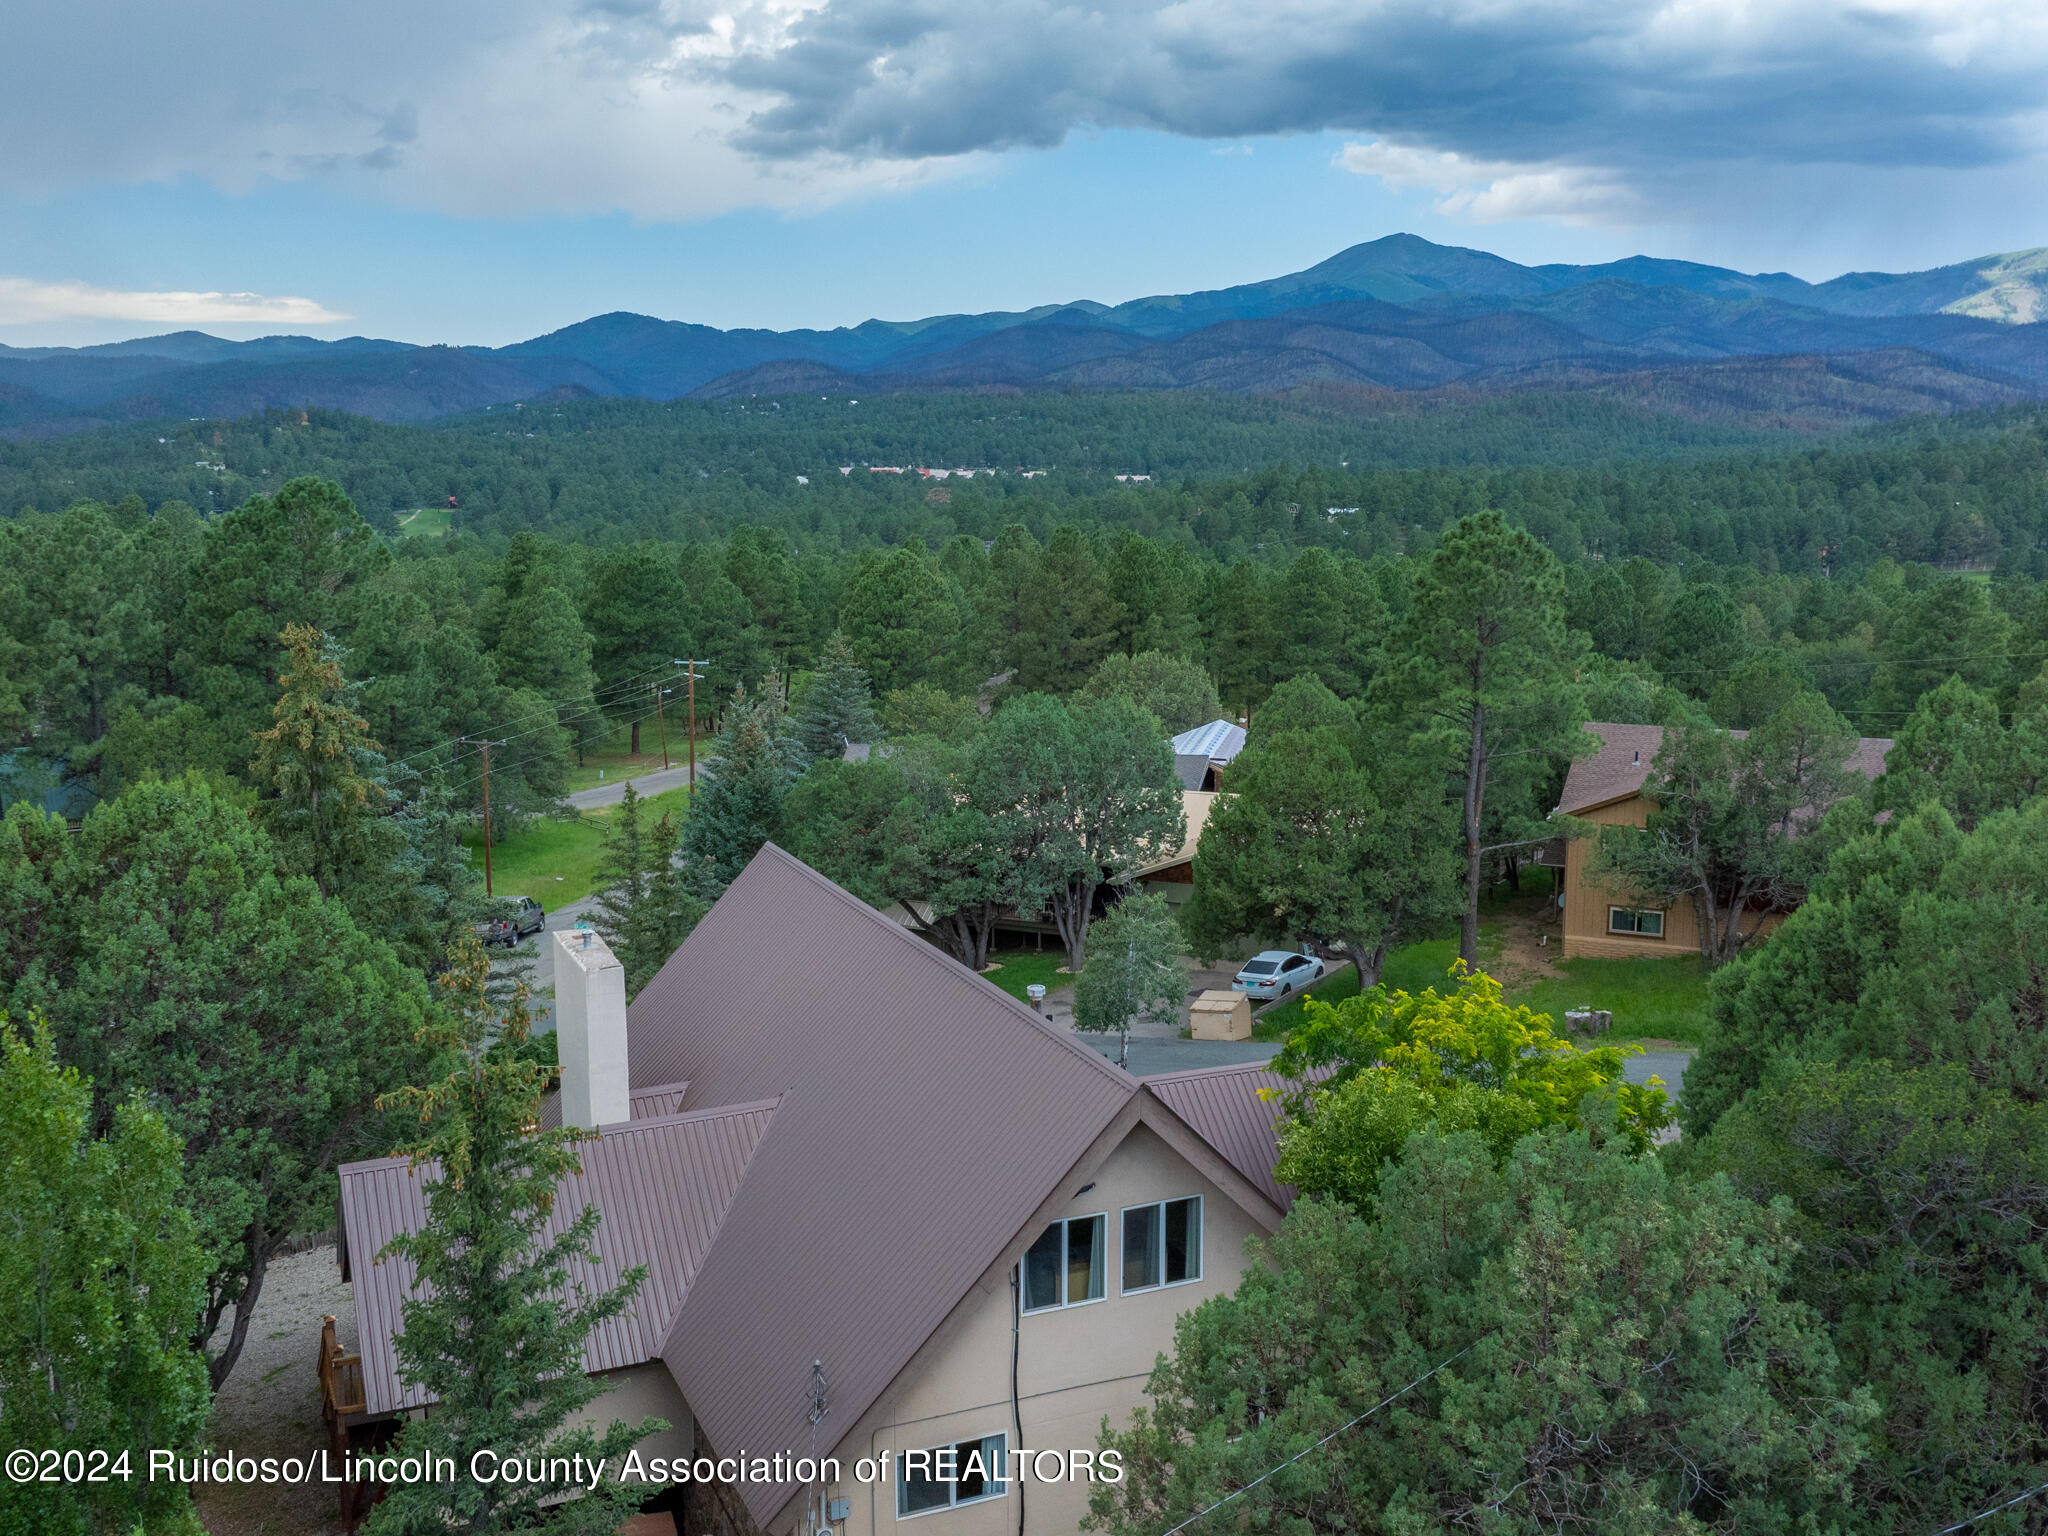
(1276, 973)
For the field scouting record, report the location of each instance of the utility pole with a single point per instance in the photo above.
(660, 721)
(485, 747)
(690, 667)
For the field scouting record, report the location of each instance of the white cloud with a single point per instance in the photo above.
(1498, 191)
(24, 301)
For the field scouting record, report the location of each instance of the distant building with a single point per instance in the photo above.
(1607, 789)
(1200, 755)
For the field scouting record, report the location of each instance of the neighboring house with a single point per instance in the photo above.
(1200, 755)
(1172, 873)
(1607, 789)
(857, 1170)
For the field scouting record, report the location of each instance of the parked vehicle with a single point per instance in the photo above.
(1276, 973)
(527, 917)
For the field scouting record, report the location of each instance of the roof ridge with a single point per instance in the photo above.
(712, 1112)
(932, 952)
(1221, 1069)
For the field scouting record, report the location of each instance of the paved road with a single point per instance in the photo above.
(1669, 1065)
(538, 953)
(647, 784)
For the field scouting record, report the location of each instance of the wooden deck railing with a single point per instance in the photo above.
(341, 1377)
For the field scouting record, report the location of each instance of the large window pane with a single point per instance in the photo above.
(1141, 1247)
(1183, 1240)
(1085, 1260)
(1042, 1270)
(917, 1488)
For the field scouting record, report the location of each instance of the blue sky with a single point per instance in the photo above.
(486, 173)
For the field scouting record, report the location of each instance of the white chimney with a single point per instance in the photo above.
(590, 1030)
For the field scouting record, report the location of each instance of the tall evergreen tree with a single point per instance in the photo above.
(839, 707)
(320, 765)
(739, 804)
(494, 1331)
(1485, 658)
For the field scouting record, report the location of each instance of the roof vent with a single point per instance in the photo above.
(1635, 759)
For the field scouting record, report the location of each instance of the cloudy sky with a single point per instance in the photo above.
(486, 170)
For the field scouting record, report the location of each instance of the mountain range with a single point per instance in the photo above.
(1399, 314)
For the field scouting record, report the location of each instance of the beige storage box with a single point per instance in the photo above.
(1221, 1016)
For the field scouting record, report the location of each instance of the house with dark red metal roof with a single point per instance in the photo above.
(892, 1219)
(1607, 789)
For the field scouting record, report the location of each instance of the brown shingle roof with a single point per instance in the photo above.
(1223, 1107)
(924, 1117)
(1622, 765)
(662, 1184)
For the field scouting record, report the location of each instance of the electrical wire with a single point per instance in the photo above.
(2018, 1498)
(1333, 1434)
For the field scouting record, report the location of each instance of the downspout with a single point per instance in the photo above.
(1016, 1404)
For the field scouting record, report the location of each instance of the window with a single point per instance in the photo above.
(1162, 1243)
(1258, 968)
(1067, 1266)
(948, 1475)
(1648, 925)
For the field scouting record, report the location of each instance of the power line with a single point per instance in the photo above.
(1333, 1434)
(2018, 1498)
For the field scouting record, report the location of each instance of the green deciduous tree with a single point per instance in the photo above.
(1735, 828)
(1175, 690)
(1135, 970)
(101, 1284)
(1484, 657)
(1074, 795)
(1378, 1066)
(1326, 838)
(494, 1331)
(1614, 1351)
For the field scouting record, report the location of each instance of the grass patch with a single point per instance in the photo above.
(1655, 999)
(1651, 999)
(613, 759)
(425, 523)
(555, 862)
(1022, 967)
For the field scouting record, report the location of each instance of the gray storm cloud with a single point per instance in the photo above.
(679, 108)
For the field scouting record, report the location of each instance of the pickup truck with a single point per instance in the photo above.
(527, 917)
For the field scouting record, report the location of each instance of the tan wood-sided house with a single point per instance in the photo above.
(1607, 790)
(886, 1210)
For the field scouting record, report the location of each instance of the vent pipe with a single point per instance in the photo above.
(590, 1030)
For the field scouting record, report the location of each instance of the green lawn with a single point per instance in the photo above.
(610, 760)
(1650, 999)
(1022, 967)
(555, 862)
(424, 523)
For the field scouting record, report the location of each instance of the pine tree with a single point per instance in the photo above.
(622, 872)
(739, 805)
(320, 764)
(495, 1331)
(839, 707)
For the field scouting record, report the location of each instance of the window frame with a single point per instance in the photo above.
(1063, 1303)
(999, 1488)
(1200, 1246)
(1637, 914)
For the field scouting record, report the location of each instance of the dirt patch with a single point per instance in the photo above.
(270, 1406)
(1531, 940)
